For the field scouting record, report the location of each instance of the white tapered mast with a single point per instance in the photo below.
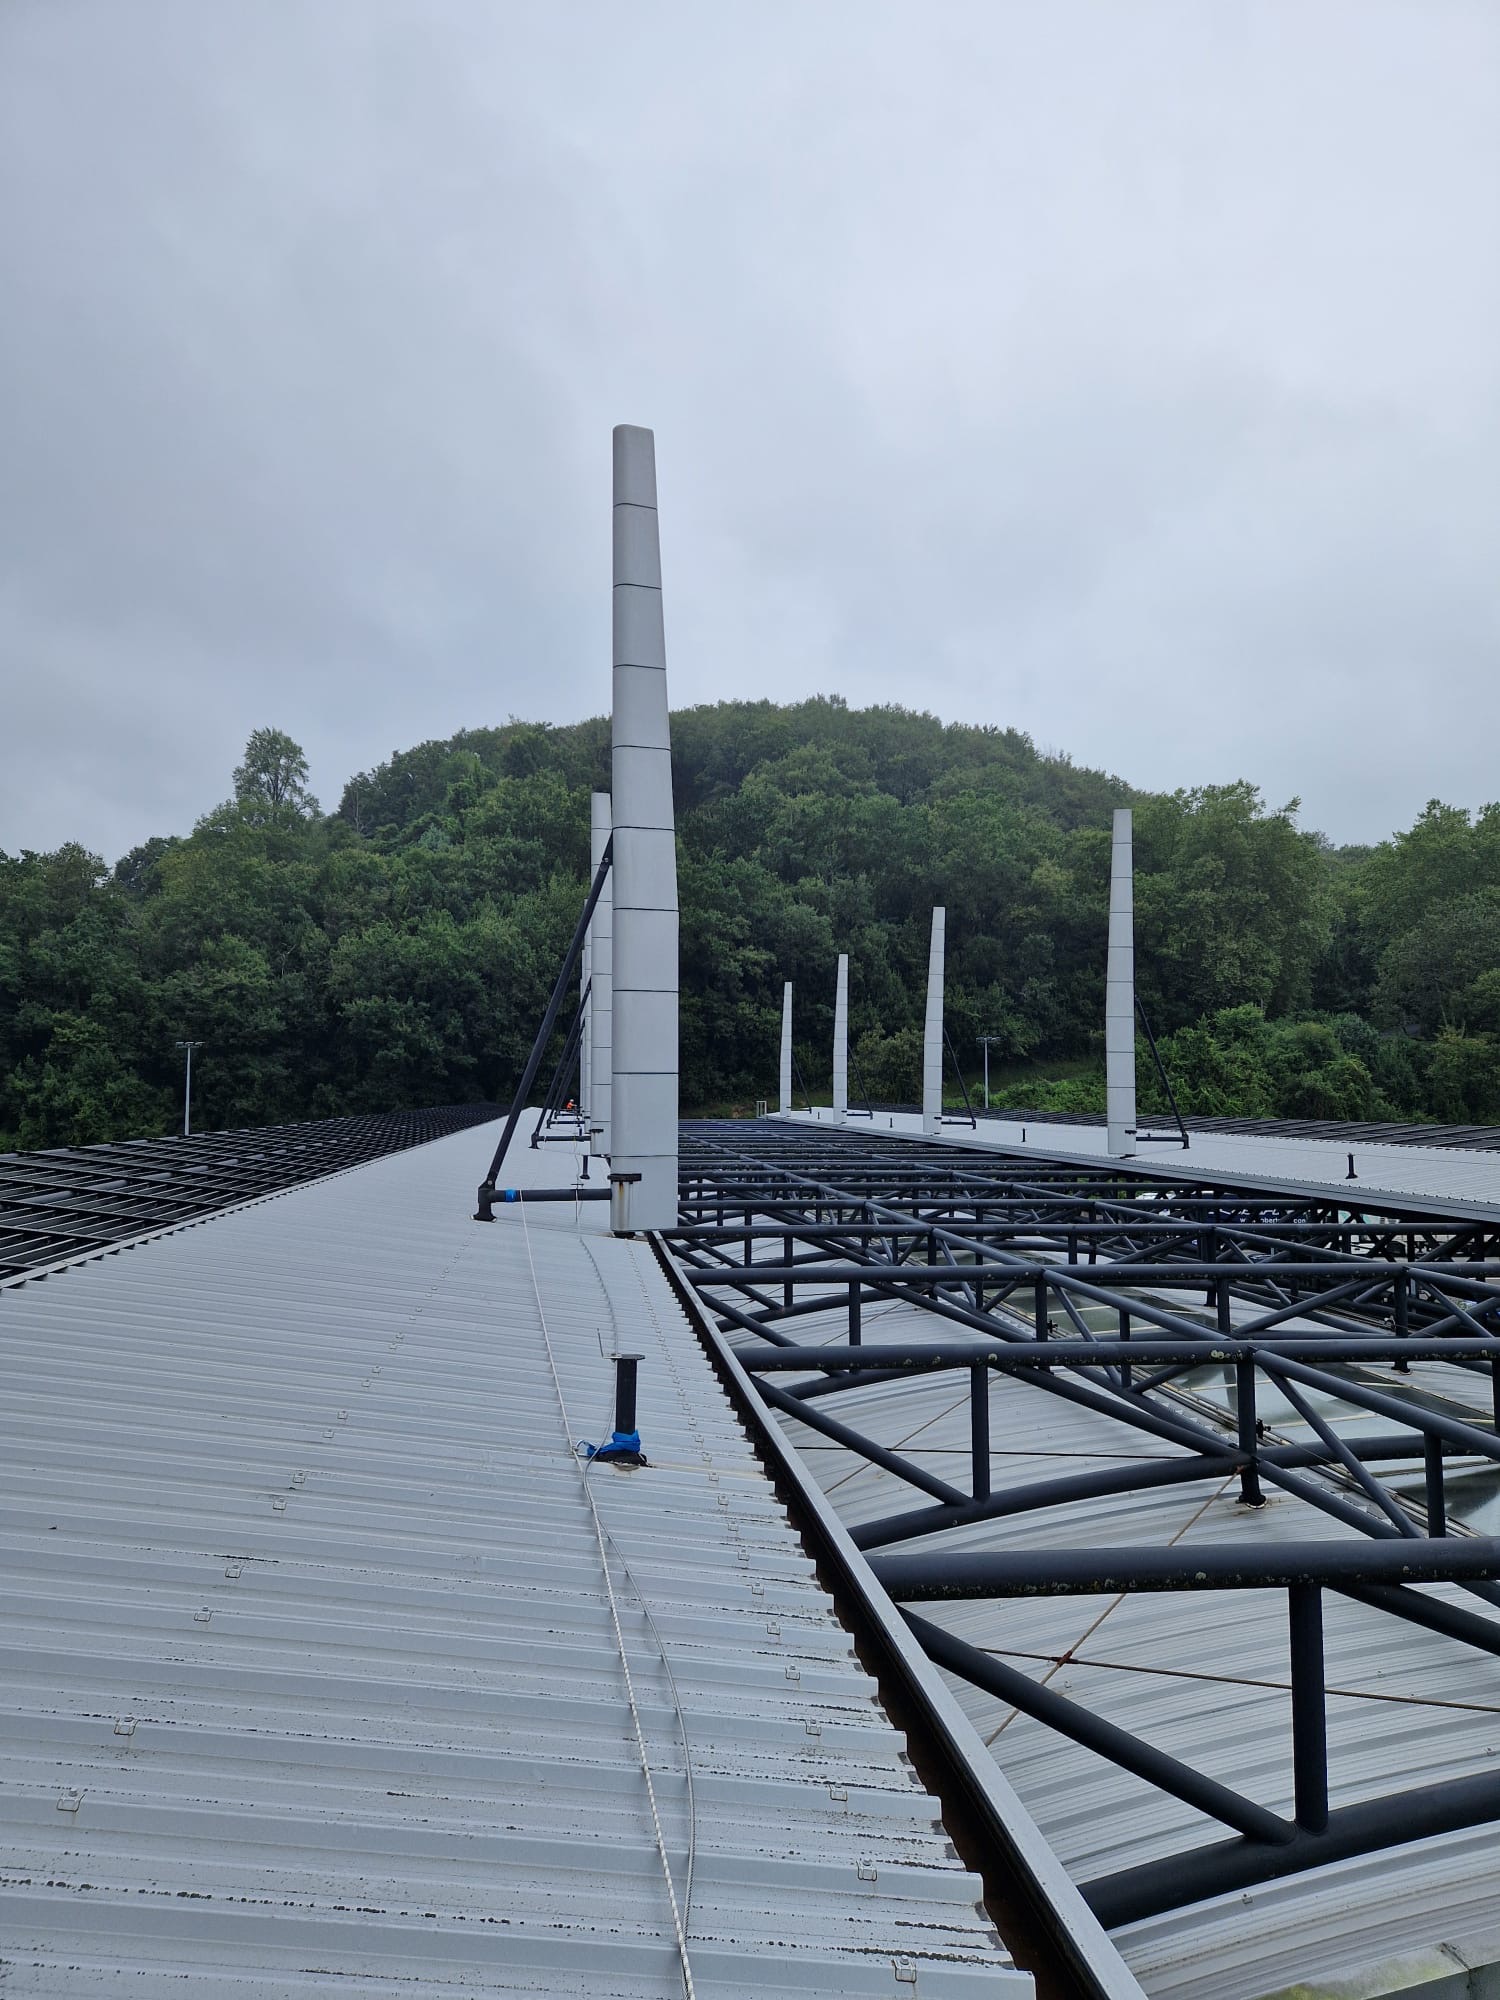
(841, 1041)
(932, 1031)
(644, 985)
(785, 1098)
(1119, 992)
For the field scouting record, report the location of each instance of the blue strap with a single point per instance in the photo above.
(622, 1444)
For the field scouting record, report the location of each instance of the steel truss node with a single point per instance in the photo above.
(1106, 1286)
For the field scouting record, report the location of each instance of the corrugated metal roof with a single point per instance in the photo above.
(1442, 1173)
(1204, 1677)
(67, 1202)
(1337, 1131)
(310, 1676)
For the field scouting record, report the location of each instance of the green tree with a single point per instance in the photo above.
(1464, 1077)
(273, 778)
(1428, 973)
(402, 950)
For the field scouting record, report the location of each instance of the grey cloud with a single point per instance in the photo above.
(1128, 376)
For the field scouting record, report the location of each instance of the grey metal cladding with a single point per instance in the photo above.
(309, 1676)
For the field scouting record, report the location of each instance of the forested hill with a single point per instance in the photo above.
(399, 950)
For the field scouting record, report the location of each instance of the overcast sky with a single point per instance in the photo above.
(1126, 373)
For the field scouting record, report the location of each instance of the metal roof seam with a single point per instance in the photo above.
(400, 1720)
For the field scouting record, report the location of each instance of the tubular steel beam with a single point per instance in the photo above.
(934, 1577)
(1180, 1272)
(928, 1358)
(1138, 1477)
(1398, 1820)
(877, 1454)
(1302, 1291)
(1309, 1708)
(1070, 1718)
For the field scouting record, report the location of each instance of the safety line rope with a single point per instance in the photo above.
(600, 1536)
(589, 1466)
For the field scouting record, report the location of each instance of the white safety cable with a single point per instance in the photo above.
(600, 1537)
(640, 1598)
(687, 1748)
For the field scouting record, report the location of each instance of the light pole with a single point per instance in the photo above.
(187, 1089)
(984, 1041)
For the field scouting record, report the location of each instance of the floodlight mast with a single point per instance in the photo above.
(187, 1089)
(841, 1041)
(1119, 993)
(643, 1108)
(600, 1038)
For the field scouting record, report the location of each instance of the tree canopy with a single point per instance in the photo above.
(399, 950)
(273, 778)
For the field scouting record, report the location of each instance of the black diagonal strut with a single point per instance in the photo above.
(488, 1185)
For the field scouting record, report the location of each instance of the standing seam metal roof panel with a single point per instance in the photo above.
(1440, 1173)
(310, 1674)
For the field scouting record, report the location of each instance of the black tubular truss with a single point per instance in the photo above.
(568, 1067)
(1180, 1136)
(485, 1212)
(968, 1117)
(71, 1201)
(801, 1081)
(868, 1109)
(1119, 1290)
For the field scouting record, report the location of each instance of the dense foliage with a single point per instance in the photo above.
(399, 950)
